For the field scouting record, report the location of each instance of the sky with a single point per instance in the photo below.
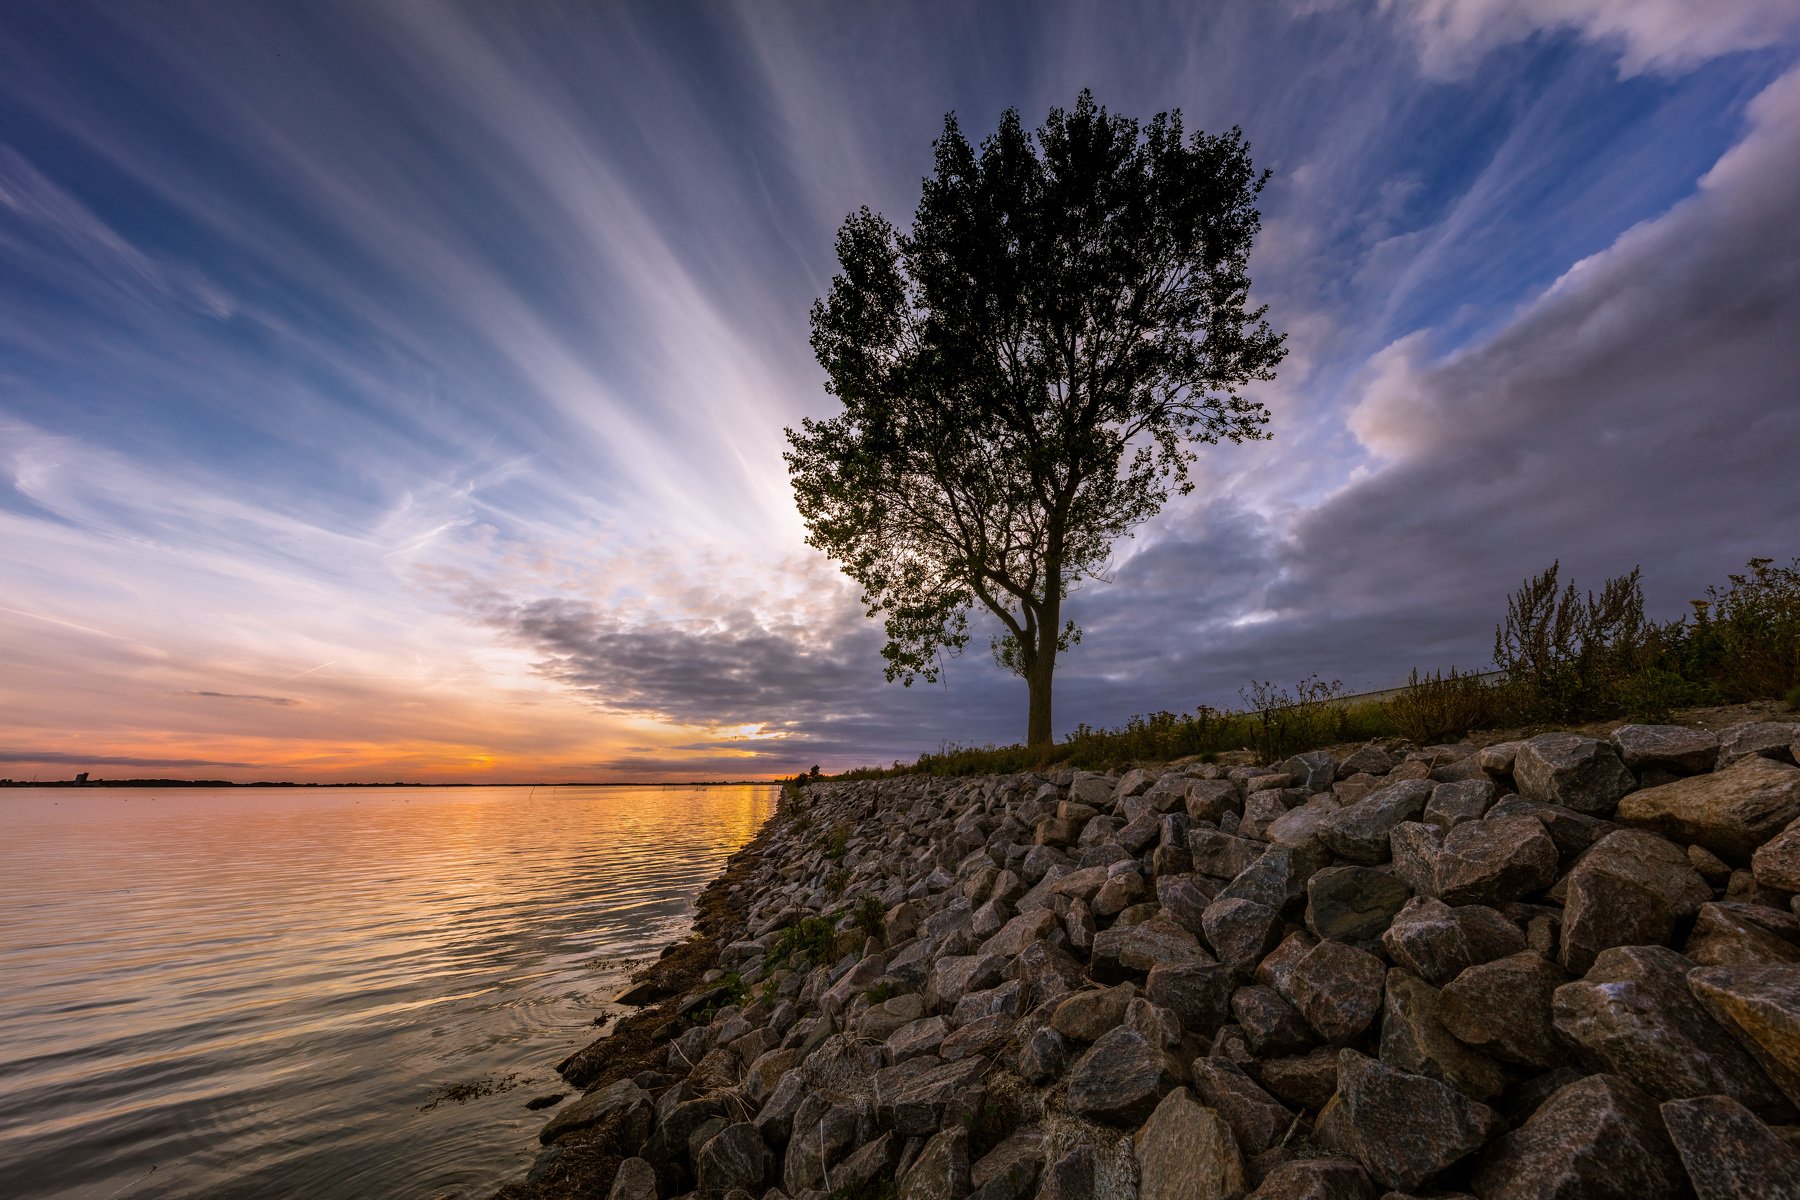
(396, 390)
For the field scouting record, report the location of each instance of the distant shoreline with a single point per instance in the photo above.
(226, 783)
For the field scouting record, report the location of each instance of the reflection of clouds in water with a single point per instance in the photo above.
(259, 970)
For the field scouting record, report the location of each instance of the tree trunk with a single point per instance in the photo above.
(1037, 681)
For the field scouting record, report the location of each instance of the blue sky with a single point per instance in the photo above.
(398, 388)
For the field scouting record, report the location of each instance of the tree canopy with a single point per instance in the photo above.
(1024, 374)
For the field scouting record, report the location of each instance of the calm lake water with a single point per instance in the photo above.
(261, 991)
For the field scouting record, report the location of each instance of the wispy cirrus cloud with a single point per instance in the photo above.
(426, 365)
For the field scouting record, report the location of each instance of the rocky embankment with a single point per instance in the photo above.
(1562, 967)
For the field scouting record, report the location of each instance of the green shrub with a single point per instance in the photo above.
(839, 843)
(871, 917)
(1437, 707)
(1745, 640)
(811, 938)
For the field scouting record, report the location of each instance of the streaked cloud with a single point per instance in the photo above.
(396, 390)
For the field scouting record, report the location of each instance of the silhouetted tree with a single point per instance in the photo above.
(1023, 374)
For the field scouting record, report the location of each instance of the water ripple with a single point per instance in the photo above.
(259, 992)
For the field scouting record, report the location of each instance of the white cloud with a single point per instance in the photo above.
(1649, 35)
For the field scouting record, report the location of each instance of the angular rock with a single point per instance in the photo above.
(1072, 1176)
(1121, 890)
(1270, 1024)
(1119, 1080)
(984, 1035)
(1494, 860)
(1414, 1040)
(1760, 1007)
(1730, 811)
(1677, 749)
(1437, 942)
(1728, 1153)
(1404, 1129)
(911, 1097)
(1577, 772)
(1634, 1015)
(634, 1180)
(1629, 890)
(1277, 878)
(735, 1157)
(954, 974)
(1300, 825)
(1020, 932)
(1220, 855)
(1044, 1056)
(923, 1036)
(1776, 864)
(1598, 1138)
(1183, 901)
(1121, 952)
(1315, 770)
(1730, 934)
(1453, 803)
(1185, 1152)
(1010, 1170)
(1277, 968)
(1257, 1119)
(595, 1107)
(1414, 846)
(1303, 1081)
(941, 1172)
(1360, 831)
(1352, 904)
(1316, 1179)
(1198, 993)
(1241, 932)
(1506, 1008)
(1761, 739)
(1085, 1016)
(823, 1135)
(1337, 988)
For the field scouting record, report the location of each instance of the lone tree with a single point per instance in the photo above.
(1024, 374)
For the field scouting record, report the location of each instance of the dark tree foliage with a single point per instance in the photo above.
(1024, 374)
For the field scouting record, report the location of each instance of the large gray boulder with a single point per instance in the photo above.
(1728, 1153)
(1258, 1120)
(1577, 772)
(1414, 1039)
(1730, 811)
(1629, 890)
(1120, 1078)
(1494, 860)
(1760, 1007)
(1351, 904)
(1677, 749)
(1405, 1129)
(1359, 832)
(1437, 942)
(1759, 739)
(1337, 988)
(941, 1172)
(1633, 1015)
(735, 1157)
(1186, 1152)
(1505, 1008)
(1598, 1138)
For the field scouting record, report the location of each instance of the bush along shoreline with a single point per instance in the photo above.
(1563, 966)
